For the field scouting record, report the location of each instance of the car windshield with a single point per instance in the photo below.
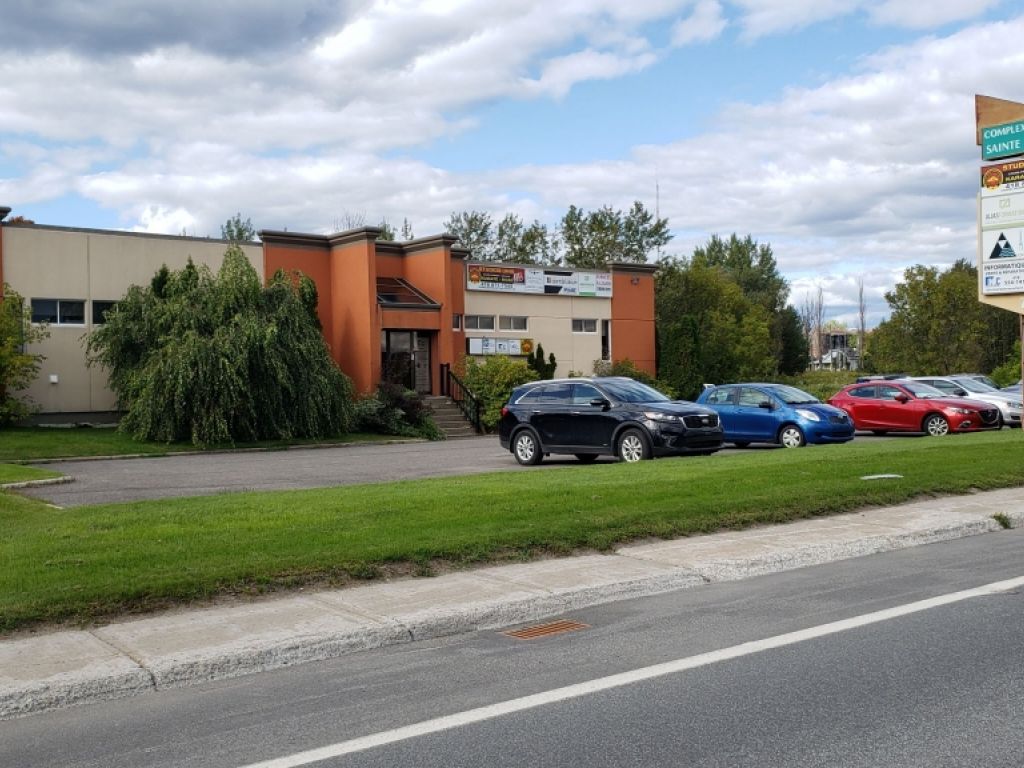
(973, 385)
(924, 391)
(793, 396)
(629, 391)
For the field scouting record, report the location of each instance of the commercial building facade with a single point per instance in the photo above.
(408, 310)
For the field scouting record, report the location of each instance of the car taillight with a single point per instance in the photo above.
(504, 411)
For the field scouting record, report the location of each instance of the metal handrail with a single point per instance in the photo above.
(456, 390)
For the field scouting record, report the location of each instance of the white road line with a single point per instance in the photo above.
(622, 679)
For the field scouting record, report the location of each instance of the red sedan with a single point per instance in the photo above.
(910, 406)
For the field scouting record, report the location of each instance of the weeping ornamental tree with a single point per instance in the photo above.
(215, 358)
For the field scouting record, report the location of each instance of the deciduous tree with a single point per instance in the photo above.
(18, 366)
(213, 358)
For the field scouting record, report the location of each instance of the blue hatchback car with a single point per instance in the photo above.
(775, 413)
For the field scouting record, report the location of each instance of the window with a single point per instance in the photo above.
(721, 396)
(752, 398)
(99, 311)
(606, 340)
(580, 325)
(888, 393)
(479, 322)
(584, 394)
(549, 394)
(58, 311)
(512, 323)
(456, 321)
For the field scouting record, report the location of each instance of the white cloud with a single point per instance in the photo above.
(860, 175)
(705, 23)
(927, 15)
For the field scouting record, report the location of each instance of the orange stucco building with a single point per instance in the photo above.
(380, 301)
(405, 310)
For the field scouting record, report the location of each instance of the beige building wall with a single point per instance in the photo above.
(549, 323)
(90, 265)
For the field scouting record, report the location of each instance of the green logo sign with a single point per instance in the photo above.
(1003, 140)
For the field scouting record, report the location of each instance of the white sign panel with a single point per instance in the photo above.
(1002, 265)
(1001, 220)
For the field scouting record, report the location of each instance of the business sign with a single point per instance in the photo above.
(1005, 140)
(493, 346)
(1003, 177)
(1001, 222)
(537, 280)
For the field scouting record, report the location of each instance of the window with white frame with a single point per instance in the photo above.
(584, 325)
(58, 311)
(99, 311)
(479, 322)
(512, 323)
(456, 321)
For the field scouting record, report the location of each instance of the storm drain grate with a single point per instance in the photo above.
(543, 630)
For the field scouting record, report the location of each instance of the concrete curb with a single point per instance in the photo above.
(37, 483)
(53, 671)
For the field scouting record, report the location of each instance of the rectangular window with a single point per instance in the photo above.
(606, 340)
(456, 321)
(58, 311)
(99, 311)
(512, 323)
(479, 322)
(581, 325)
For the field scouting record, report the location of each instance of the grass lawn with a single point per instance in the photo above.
(14, 473)
(35, 443)
(93, 562)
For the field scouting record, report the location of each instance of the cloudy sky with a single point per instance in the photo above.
(841, 132)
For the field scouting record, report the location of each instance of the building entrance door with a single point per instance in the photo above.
(405, 359)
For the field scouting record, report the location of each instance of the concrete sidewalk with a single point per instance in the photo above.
(49, 671)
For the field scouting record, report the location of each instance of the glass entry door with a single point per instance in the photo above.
(405, 359)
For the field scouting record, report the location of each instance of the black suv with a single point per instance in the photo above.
(611, 416)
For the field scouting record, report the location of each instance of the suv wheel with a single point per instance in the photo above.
(526, 448)
(633, 446)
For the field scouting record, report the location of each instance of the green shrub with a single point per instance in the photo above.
(821, 384)
(492, 381)
(544, 370)
(395, 410)
(1009, 372)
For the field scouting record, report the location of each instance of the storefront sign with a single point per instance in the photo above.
(491, 277)
(1004, 140)
(1006, 175)
(1001, 221)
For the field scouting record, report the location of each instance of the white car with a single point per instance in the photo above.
(1010, 406)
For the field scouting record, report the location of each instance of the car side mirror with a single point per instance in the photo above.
(601, 403)
(767, 404)
(901, 398)
(960, 392)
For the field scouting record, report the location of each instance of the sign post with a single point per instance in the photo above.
(999, 127)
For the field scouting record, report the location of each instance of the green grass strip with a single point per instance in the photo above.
(90, 562)
(15, 473)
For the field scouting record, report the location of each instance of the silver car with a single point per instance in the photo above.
(1010, 406)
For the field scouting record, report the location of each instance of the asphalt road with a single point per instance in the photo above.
(940, 687)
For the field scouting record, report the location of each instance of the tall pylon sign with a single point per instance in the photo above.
(1000, 134)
